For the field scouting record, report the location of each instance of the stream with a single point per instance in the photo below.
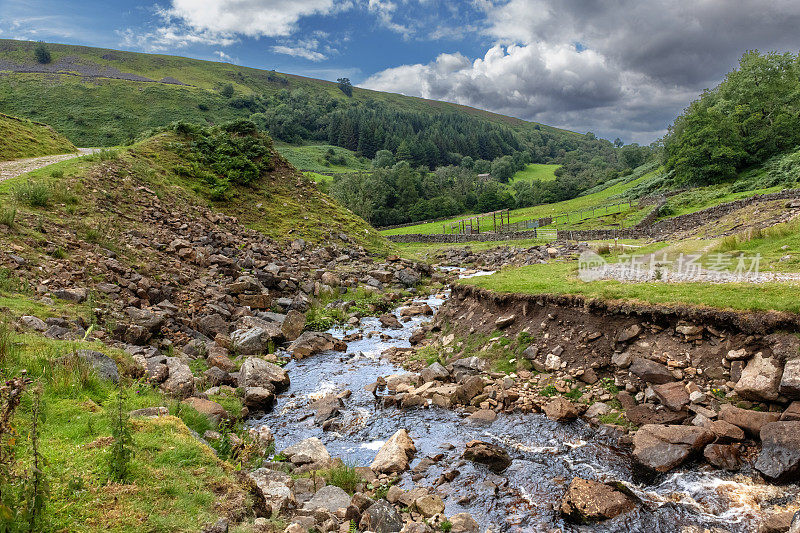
(546, 454)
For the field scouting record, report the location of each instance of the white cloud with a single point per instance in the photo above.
(307, 49)
(617, 68)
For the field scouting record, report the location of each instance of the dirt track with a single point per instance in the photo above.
(17, 167)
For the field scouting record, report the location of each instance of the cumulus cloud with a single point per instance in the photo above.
(623, 68)
(307, 49)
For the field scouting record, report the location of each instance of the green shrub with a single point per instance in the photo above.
(32, 193)
(42, 53)
(345, 477)
(58, 173)
(8, 216)
(121, 450)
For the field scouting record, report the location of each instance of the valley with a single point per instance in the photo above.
(236, 300)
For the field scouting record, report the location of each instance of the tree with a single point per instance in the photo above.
(467, 162)
(383, 159)
(403, 153)
(503, 168)
(345, 86)
(42, 53)
(618, 142)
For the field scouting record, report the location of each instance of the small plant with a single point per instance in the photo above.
(32, 193)
(608, 384)
(58, 173)
(121, 450)
(58, 253)
(446, 525)
(548, 391)
(8, 216)
(345, 477)
(575, 394)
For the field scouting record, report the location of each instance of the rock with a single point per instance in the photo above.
(434, 372)
(256, 340)
(149, 412)
(103, 365)
(725, 431)
(552, 252)
(220, 526)
(259, 398)
(596, 410)
(662, 448)
(629, 333)
(146, 318)
(469, 366)
(328, 497)
(308, 451)
(428, 505)
(592, 501)
(795, 526)
(216, 377)
(469, 388)
(395, 454)
(212, 325)
(311, 343)
(726, 456)
(760, 379)
(463, 523)
(778, 522)
(650, 371)
(531, 352)
(326, 408)
(504, 321)
(263, 437)
(792, 413)
(737, 355)
(274, 488)
(407, 277)
(750, 421)
(779, 459)
(552, 362)
(621, 359)
(491, 455)
(416, 310)
(561, 410)
(211, 410)
(381, 517)
(672, 395)
(293, 324)
(790, 381)
(390, 321)
(417, 527)
(33, 322)
(256, 372)
(482, 416)
(77, 295)
(180, 382)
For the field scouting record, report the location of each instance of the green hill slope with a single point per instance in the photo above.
(22, 138)
(100, 96)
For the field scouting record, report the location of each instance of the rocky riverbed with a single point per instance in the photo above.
(507, 469)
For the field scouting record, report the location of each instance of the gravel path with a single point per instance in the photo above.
(17, 167)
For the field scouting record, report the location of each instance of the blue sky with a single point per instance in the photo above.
(623, 68)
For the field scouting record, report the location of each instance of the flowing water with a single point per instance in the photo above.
(547, 455)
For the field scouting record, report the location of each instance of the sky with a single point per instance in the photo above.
(618, 68)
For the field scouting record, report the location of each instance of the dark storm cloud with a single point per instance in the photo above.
(623, 67)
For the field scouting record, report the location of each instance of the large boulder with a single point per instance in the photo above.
(464, 523)
(256, 339)
(381, 517)
(469, 388)
(726, 456)
(750, 421)
(650, 371)
(760, 379)
(395, 454)
(147, 318)
(330, 498)
(673, 395)
(311, 343)
(103, 365)
(780, 451)
(491, 455)
(211, 410)
(308, 451)
(293, 324)
(434, 372)
(662, 448)
(274, 488)
(561, 410)
(428, 505)
(592, 501)
(180, 382)
(259, 398)
(256, 372)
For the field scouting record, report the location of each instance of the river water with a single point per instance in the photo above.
(546, 455)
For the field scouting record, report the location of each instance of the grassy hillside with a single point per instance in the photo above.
(322, 158)
(534, 172)
(81, 94)
(22, 138)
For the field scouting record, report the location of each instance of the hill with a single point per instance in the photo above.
(23, 138)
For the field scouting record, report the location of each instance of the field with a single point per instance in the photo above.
(603, 197)
(535, 172)
(322, 158)
(22, 138)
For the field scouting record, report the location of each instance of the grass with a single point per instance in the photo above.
(596, 199)
(313, 158)
(535, 172)
(22, 138)
(110, 111)
(561, 278)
